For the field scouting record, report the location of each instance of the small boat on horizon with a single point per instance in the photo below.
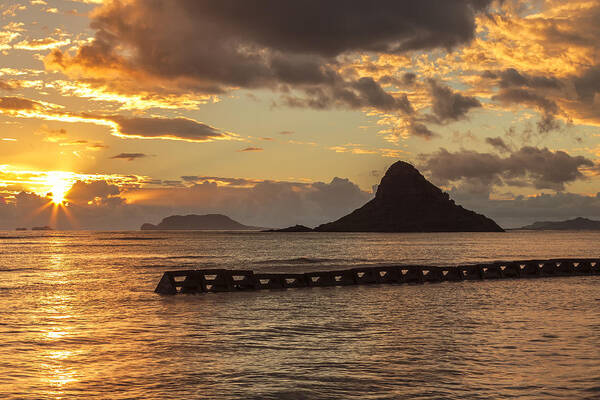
(42, 228)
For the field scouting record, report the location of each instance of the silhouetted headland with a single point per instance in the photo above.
(576, 224)
(407, 202)
(195, 222)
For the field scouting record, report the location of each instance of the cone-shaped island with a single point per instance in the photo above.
(407, 202)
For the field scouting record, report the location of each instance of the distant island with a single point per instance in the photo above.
(576, 224)
(407, 202)
(295, 228)
(193, 222)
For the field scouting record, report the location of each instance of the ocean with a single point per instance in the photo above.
(80, 319)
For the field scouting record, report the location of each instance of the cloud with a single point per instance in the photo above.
(129, 156)
(259, 203)
(83, 192)
(7, 86)
(449, 105)
(546, 59)
(528, 166)
(178, 128)
(18, 103)
(284, 46)
(52, 135)
(498, 143)
(41, 44)
(518, 211)
(587, 84)
(103, 205)
(510, 77)
(252, 149)
(525, 96)
(362, 93)
(420, 130)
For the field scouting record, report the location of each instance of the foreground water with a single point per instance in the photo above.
(80, 320)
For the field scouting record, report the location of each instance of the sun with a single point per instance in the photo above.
(59, 184)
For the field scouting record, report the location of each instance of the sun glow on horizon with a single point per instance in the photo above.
(60, 183)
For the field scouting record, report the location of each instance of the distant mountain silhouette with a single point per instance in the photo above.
(577, 224)
(195, 222)
(407, 202)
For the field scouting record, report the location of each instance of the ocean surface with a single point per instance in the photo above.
(79, 319)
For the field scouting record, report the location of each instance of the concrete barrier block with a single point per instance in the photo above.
(452, 274)
(320, 279)
(432, 274)
(531, 269)
(366, 275)
(294, 281)
(388, 274)
(412, 274)
(472, 272)
(269, 281)
(218, 280)
(511, 270)
(244, 280)
(491, 271)
(595, 267)
(344, 278)
(193, 283)
(565, 268)
(548, 269)
(166, 285)
(583, 268)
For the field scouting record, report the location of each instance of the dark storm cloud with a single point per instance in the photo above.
(540, 168)
(129, 156)
(337, 26)
(212, 46)
(178, 128)
(449, 105)
(498, 143)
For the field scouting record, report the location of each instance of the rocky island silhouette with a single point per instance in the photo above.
(407, 202)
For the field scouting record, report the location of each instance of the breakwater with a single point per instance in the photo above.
(225, 280)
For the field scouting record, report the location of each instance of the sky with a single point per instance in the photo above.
(116, 113)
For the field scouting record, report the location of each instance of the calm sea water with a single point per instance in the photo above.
(79, 319)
